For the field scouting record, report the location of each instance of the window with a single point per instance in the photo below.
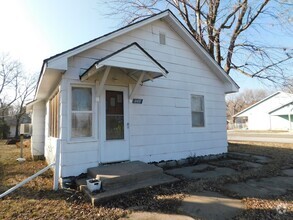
(197, 110)
(162, 38)
(81, 112)
(54, 115)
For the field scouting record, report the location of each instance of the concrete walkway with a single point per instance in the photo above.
(155, 216)
(263, 188)
(211, 205)
(214, 205)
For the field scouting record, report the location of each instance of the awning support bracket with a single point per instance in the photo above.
(102, 84)
(136, 86)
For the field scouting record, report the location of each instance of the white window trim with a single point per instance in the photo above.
(94, 137)
(204, 112)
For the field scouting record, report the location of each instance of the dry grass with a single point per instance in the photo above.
(36, 200)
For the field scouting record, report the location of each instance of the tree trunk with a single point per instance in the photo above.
(17, 127)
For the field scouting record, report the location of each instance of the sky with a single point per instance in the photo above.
(32, 30)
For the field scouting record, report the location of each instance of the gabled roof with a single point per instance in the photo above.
(149, 63)
(59, 61)
(282, 109)
(261, 101)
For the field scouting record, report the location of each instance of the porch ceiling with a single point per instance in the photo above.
(133, 60)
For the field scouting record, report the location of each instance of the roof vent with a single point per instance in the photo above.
(162, 39)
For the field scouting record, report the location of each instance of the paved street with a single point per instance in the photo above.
(257, 136)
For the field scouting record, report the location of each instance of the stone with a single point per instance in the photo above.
(249, 157)
(288, 172)
(238, 165)
(201, 171)
(262, 188)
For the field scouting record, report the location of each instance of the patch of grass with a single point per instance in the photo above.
(36, 199)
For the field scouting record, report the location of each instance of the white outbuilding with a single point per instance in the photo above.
(148, 91)
(274, 112)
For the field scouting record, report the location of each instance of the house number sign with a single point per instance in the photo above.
(137, 101)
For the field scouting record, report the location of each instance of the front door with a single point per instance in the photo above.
(114, 130)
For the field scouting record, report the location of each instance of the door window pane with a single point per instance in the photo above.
(114, 115)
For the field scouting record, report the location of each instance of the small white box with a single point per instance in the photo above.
(94, 184)
(25, 129)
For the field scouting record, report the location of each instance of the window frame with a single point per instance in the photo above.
(203, 110)
(93, 136)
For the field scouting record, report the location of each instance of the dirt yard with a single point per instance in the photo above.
(36, 200)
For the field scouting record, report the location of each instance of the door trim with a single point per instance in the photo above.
(102, 122)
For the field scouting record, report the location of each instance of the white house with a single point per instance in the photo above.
(274, 112)
(147, 92)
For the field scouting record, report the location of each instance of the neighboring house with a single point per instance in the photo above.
(145, 92)
(11, 122)
(274, 112)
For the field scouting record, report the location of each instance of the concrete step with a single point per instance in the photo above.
(114, 175)
(123, 178)
(116, 190)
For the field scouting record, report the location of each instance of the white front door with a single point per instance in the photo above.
(114, 124)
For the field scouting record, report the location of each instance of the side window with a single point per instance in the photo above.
(162, 38)
(197, 111)
(81, 112)
(54, 115)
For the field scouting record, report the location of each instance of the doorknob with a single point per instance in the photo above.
(128, 125)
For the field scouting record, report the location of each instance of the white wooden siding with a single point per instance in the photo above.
(280, 123)
(38, 131)
(160, 128)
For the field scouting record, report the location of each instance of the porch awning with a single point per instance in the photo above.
(133, 59)
(286, 109)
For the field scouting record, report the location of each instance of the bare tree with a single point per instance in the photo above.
(26, 88)
(227, 30)
(289, 86)
(10, 71)
(15, 88)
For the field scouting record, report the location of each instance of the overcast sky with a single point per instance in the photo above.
(32, 30)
